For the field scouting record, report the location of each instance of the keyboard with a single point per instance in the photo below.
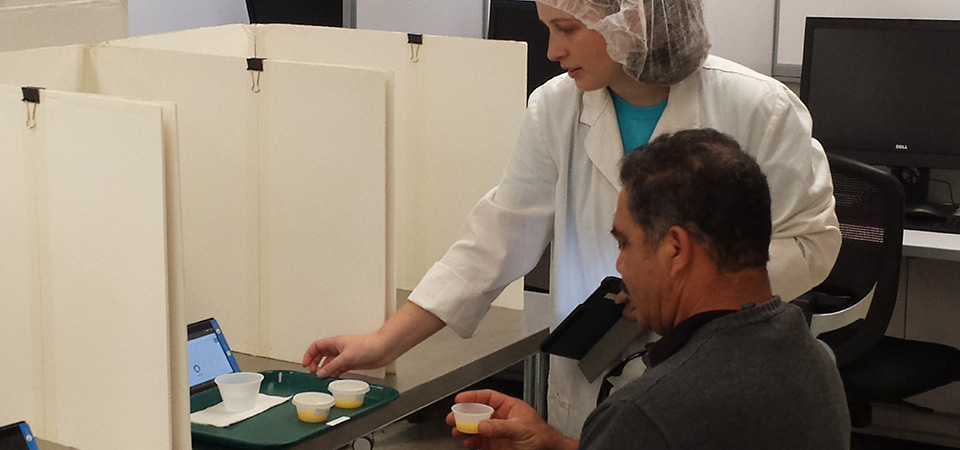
(945, 225)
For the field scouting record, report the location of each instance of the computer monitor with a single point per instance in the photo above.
(517, 20)
(885, 91)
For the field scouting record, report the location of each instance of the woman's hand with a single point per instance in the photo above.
(331, 357)
(343, 353)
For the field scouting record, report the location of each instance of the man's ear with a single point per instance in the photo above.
(678, 246)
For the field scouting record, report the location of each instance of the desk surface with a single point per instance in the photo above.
(439, 366)
(931, 245)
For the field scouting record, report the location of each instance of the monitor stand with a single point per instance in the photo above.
(915, 189)
(916, 192)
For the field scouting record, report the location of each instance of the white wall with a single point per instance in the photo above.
(162, 16)
(742, 31)
(463, 18)
(793, 14)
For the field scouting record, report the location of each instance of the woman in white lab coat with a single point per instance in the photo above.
(562, 184)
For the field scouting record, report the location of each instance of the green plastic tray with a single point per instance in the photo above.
(278, 427)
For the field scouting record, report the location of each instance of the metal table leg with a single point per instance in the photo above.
(535, 368)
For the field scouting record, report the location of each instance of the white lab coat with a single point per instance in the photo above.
(563, 181)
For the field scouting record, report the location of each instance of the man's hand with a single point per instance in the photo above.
(629, 311)
(514, 425)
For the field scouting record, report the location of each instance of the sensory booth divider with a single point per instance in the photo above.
(35, 23)
(286, 180)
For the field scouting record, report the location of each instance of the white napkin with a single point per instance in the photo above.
(218, 416)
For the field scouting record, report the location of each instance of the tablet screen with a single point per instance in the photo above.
(207, 359)
(208, 353)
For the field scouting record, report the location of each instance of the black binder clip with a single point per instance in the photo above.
(255, 66)
(415, 41)
(31, 98)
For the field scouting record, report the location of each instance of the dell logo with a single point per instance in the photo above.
(901, 147)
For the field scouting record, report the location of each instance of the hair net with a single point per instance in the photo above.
(657, 41)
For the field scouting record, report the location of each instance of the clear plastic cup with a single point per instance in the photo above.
(313, 407)
(469, 415)
(239, 390)
(348, 394)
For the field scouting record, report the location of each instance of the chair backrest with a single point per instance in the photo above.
(869, 205)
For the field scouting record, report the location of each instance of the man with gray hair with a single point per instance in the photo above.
(736, 367)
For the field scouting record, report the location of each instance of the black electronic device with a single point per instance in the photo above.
(883, 91)
(299, 12)
(517, 20)
(937, 225)
(17, 436)
(588, 322)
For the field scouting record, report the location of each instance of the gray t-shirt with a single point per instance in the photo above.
(753, 379)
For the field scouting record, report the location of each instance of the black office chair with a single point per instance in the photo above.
(300, 12)
(852, 307)
(851, 310)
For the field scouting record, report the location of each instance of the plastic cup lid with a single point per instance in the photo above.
(351, 386)
(313, 399)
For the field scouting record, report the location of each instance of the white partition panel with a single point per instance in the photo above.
(231, 40)
(103, 262)
(261, 271)
(15, 3)
(20, 339)
(467, 137)
(218, 176)
(32, 24)
(453, 119)
(87, 197)
(179, 361)
(60, 68)
(470, 118)
(323, 204)
(457, 112)
(370, 49)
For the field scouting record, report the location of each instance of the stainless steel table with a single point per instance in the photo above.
(441, 365)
